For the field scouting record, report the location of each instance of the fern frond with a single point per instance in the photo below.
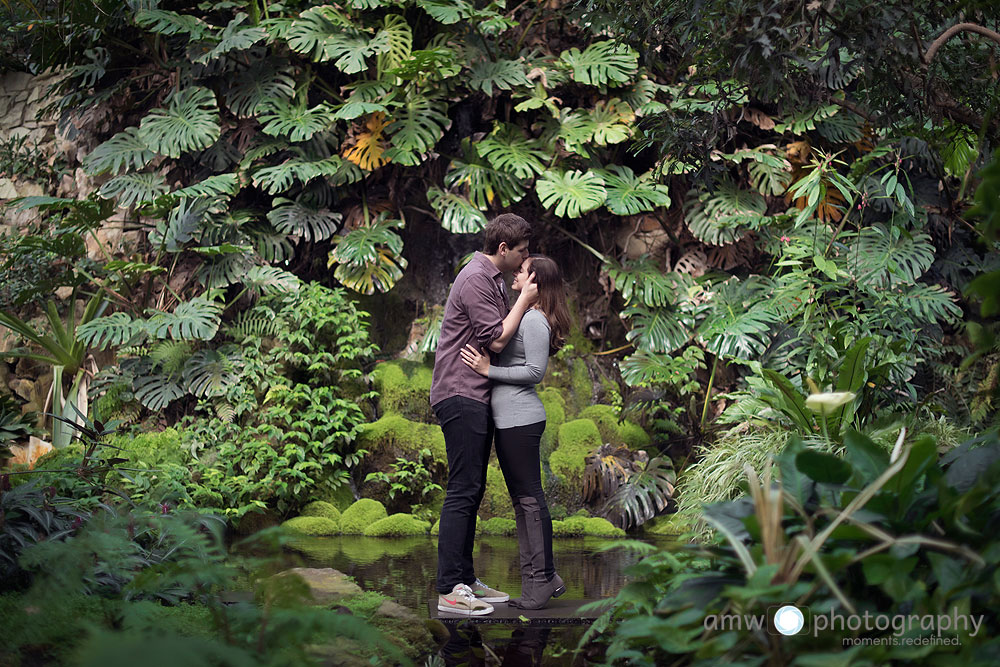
(169, 356)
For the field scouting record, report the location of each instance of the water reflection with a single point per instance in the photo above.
(405, 568)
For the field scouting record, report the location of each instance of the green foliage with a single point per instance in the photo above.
(628, 194)
(363, 513)
(497, 525)
(410, 478)
(189, 122)
(403, 388)
(601, 63)
(576, 440)
(369, 259)
(323, 509)
(571, 193)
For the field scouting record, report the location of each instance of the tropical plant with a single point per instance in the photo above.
(629, 487)
(411, 480)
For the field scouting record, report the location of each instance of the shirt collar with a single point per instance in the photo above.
(489, 267)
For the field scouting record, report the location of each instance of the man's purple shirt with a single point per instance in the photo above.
(473, 314)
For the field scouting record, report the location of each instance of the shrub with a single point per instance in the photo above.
(312, 526)
(360, 515)
(498, 525)
(153, 449)
(555, 416)
(323, 509)
(397, 525)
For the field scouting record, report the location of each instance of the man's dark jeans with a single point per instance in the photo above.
(468, 437)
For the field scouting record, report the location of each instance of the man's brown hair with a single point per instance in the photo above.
(505, 228)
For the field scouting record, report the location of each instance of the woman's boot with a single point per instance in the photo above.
(536, 547)
(522, 547)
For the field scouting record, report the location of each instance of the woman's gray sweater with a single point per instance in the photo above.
(521, 366)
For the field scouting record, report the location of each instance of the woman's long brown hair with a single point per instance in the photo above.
(551, 298)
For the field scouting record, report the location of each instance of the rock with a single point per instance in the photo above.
(16, 81)
(64, 292)
(325, 584)
(28, 454)
(405, 628)
(7, 189)
(22, 387)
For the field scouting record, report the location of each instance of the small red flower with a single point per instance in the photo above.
(785, 239)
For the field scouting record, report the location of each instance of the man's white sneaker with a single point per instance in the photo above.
(462, 601)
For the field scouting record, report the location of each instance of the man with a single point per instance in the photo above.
(477, 313)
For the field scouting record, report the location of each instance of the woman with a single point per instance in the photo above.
(520, 420)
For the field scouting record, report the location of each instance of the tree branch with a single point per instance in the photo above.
(954, 30)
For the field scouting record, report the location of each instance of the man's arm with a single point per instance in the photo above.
(483, 309)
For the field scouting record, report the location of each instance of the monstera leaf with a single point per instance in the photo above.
(507, 149)
(156, 392)
(325, 34)
(197, 319)
(572, 193)
(576, 128)
(456, 213)
(132, 188)
(447, 11)
(210, 373)
(296, 121)
(656, 330)
(602, 63)
(612, 121)
(369, 148)
(190, 122)
(629, 194)
(292, 217)
(369, 259)
(271, 280)
(725, 215)
(111, 330)
(125, 150)
(165, 22)
(502, 74)
(416, 126)
(219, 184)
(483, 183)
(887, 257)
(396, 32)
(256, 87)
(234, 37)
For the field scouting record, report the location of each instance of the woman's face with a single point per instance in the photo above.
(521, 275)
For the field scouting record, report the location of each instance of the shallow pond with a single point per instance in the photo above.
(405, 569)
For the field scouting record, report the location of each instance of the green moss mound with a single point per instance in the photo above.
(360, 515)
(574, 526)
(498, 525)
(600, 527)
(613, 431)
(397, 525)
(555, 416)
(313, 526)
(323, 509)
(496, 499)
(577, 439)
(671, 525)
(404, 388)
(436, 528)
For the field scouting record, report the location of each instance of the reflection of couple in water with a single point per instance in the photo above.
(478, 402)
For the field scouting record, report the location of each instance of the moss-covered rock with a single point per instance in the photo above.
(324, 585)
(600, 527)
(436, 528)
(574, 526)
(613, 431)
(496, 499)
(555, 416)
(395, 436)
(577, 439)
(498, 525)
(313, 526)
(397, 525)
(323, 509)
(360, 515)
(340, 497)
(404, 388)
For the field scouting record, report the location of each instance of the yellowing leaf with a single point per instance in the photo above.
(369, 146)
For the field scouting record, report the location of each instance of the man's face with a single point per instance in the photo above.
(513, 257)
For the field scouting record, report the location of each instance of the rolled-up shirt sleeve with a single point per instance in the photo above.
(535, 332)
(482, 305)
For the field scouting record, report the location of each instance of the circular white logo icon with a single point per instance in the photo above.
(788, 620)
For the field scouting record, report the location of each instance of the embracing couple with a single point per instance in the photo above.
(477, 401)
